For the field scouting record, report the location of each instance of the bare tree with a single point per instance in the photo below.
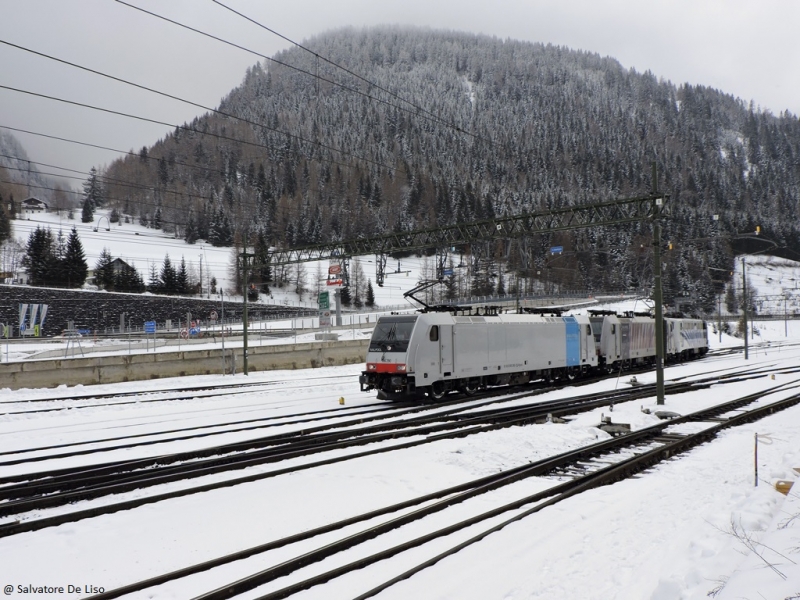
(318, 278)
(11, 254)
(300, 280)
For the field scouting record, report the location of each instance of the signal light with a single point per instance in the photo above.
(758, 229)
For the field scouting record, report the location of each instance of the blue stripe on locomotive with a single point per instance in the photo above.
(573, 332)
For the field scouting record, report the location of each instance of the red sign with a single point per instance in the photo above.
(334, 269)
(334, 282)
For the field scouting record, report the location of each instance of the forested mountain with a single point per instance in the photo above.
(18, 173)
(491, 127)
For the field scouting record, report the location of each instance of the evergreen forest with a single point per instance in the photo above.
(392, 129)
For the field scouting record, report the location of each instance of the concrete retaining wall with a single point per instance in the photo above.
(134, 367)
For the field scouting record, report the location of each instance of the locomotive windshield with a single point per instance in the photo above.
(392, 334)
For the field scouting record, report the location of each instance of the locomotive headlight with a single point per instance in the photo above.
(401, 368)
(372, 367)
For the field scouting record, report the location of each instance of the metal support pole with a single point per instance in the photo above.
(244, 256)
(755, 461)
(338, 296)
(222, 329)
(744, 308)
(659, 300)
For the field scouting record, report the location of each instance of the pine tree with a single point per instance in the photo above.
(104, 277)
(501, 284)
(168, 278)
(370, 294)
(93, 191)
(73, 263)
(344, 296)
(182, 279)
(5, 223)
(154, 285)
(40, 256)
(129, 280)
(731, 300)
(191, 229)
(87, 214)
(262, 273)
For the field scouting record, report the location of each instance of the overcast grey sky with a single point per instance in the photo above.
(748, 48)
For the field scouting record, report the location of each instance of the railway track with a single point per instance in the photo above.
(560, 477)
(82, 401)
(84, 447)
(34, 492)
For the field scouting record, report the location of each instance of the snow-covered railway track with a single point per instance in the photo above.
(84, 401)
(24, 492)
(399, 531)
(26, 495)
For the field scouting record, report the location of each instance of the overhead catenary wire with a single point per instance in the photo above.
(416, 110)
(130, 153)
(184, 127)
(149, 120)
(287, 211)
(283, 209)
(293, 211)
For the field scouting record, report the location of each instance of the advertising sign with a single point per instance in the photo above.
(336, 272)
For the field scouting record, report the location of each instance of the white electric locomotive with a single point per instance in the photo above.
(434, 353)
(438, 352)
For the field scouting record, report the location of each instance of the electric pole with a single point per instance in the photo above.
(744, 307)
(658, 202)
(245, 255)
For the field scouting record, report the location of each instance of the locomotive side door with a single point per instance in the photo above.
(573, 341)
(625, 340)
(446, 349)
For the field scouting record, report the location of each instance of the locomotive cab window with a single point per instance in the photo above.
(392, 335)
(434, 335)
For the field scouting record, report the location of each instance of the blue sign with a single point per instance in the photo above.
(85, 331)
(556, 249)
(149, 326)
(194, 330)
(448, 272)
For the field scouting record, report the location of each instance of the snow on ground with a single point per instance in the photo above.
(678, 533)
(670, 534)
(143, 247)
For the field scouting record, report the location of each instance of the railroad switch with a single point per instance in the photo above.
(614, 429)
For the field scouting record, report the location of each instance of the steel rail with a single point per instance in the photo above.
(97, 485)
(449, 496)
(604, 476)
